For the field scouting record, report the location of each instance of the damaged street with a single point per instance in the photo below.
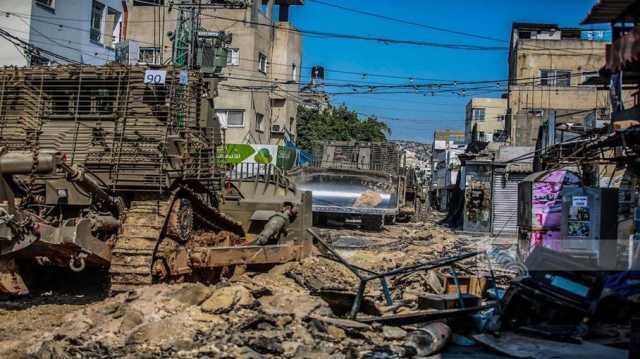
(303, 309)
(290, 310)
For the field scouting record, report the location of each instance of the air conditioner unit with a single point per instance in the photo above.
(595, 119)
(277, 129)
(128, 52)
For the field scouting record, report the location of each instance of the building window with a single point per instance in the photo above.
(233, 57)
(259, 122)
(230, 118)
(482, 136)
(150, 55)
(477, 114)
(557, 78)
(292, 123)
(262, 63)
(588, 76)
(47, 4)
(106, 25)
(294, 72)
(278, 102)
(96, 22)
(112, 28)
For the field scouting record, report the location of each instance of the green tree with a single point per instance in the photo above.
(337, 124)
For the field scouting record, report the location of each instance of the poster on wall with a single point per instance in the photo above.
(234, 154)
(579, 221)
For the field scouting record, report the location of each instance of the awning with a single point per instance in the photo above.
(624, 51)
(605, 11)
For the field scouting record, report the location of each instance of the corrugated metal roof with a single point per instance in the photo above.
(605, 11)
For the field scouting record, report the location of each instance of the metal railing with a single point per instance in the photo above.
(258, 173)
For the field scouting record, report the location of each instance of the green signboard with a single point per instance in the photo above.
(233, 154)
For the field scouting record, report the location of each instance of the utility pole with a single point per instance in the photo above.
(185, 37)
(193, 46)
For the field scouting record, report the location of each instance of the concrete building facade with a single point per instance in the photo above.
(548, 69)
(445, 165)
(84, 31)
(488, 115)
(258, 100)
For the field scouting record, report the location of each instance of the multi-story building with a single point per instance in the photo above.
(445, 165)
(258, 100)
(63, 30)
(548, 69)
(487, 115)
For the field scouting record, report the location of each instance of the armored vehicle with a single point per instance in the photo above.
(114, 167)
(354, 181)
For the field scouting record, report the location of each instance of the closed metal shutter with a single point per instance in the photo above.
(505, 202)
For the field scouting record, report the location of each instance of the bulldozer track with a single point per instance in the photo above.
(150, 233)
(134, 251)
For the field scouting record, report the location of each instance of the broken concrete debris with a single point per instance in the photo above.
(297, 309)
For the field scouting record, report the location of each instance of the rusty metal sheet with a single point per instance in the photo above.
(423, 316)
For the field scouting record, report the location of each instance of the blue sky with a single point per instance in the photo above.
(415, 116)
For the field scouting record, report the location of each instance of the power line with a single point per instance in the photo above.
(368, 38)
(496, 85)
(414, 87)
(363, 74)
(61, 45)
(356, 37)
(384, 40)
(407, 22)
(31, 49)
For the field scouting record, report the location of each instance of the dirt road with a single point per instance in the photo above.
(284, 311)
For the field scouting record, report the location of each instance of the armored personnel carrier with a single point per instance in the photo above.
(114, 167)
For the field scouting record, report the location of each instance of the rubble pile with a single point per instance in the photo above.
(284, 312)
(298, 309)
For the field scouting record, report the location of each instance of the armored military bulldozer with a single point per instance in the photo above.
(114, 167)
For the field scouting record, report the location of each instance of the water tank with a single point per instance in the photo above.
(317, 73)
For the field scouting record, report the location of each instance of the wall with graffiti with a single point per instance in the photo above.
(547, 207)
